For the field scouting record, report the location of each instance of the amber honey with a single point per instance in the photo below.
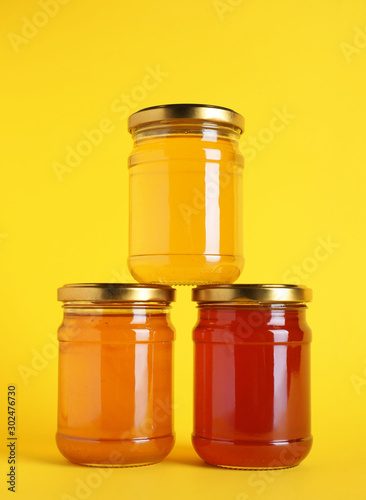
(115, 381)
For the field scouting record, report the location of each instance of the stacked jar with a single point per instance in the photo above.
(186, 195)
(252, 343)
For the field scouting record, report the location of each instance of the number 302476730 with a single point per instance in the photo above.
(11, 410)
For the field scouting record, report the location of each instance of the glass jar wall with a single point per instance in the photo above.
(115, 374)
(186, 222)
(252, 376)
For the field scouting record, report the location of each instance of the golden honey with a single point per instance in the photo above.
(186, 222)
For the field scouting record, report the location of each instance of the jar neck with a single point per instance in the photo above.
(255, 316)
(252, 323)
(115, 308)
(208, 131)
(116, 322)
(251, 305)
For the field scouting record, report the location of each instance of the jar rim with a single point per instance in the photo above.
(254, 292)
(186, 111)
(115, 292)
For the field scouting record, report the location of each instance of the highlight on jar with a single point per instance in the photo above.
(115, 392)
(186, 195)
(252, 376)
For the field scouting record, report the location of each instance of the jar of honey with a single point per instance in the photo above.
(115, 374)
(252, 376)
(186, 198)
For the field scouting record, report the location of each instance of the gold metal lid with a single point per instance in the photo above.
(177, 112)
(266, 293)
(116, 292)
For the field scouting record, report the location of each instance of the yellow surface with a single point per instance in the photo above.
(297, 71)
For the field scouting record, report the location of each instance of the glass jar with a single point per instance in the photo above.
(252, 376)
(115, 374)
(186, 196)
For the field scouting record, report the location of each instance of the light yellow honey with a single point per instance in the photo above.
(186, 206)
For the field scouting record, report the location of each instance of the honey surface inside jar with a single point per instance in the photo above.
(186, 209)
(115, 389)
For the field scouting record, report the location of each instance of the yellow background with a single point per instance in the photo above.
(304, 187)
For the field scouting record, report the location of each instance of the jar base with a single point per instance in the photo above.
(115, 466)
(252, 455)
(114, 453)
(254, 468)
(175, 269)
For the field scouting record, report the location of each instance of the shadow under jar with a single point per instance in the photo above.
(252, 376)
(115, 374)
(186, 195)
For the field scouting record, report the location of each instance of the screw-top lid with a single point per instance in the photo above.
(179, 112)
(267, 293)
(115, 292)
